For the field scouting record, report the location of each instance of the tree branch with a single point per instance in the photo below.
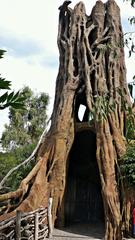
(26, 160)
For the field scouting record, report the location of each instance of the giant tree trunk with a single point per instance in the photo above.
(91, 69)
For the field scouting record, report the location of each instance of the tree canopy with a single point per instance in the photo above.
(21, 134)
(26, 125)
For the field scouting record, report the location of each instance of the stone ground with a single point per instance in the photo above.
(78, 232)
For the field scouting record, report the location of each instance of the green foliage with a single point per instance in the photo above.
(102, 107)
(130, 39)
(130, 36)
(21, 135)
(130, 117)
(16, 100)
(113, 48)
(127, 165)
(130, 87)
(132, 2)
(26, 125)
(8, 160)
(131, 20)
(20, 154)
(130, 125)
(2, 53)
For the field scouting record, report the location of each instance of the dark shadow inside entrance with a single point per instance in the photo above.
(83, 199)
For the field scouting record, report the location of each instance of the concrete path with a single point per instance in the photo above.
(80, 232)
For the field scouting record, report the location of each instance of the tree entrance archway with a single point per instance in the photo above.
(83, 200)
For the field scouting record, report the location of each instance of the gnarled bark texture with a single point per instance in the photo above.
(91, 66)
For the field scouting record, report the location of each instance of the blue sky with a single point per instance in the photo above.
(28, 31)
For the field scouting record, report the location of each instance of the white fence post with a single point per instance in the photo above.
(36, 226)
(50, 217)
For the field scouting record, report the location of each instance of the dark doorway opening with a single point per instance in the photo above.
(83, 199)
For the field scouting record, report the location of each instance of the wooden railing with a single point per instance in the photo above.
(26, 226)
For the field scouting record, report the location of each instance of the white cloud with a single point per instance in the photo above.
(21, 73)
(37, 21)
(34, 19)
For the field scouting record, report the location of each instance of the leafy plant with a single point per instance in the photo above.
(127, 165)
(130, 117)
(130, 125)
(26, 125)
(102, 107)
(21, 135)
(131, 20)
(132, 2)
(129, 40)
(12, 158)
(16, 100)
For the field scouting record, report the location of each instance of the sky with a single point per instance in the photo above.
(28, 31)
